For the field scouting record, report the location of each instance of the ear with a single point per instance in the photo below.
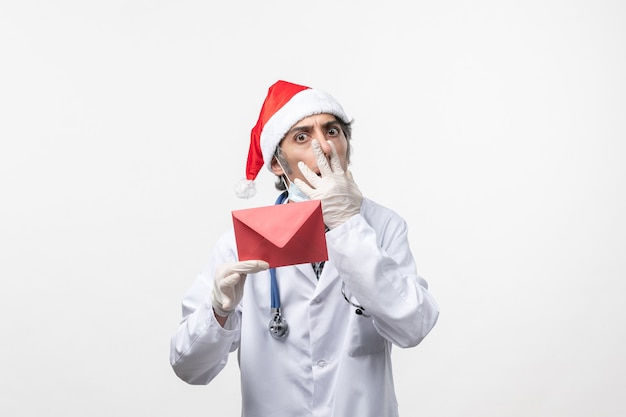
(276, 168)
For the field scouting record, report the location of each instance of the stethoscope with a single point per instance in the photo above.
(278, 326)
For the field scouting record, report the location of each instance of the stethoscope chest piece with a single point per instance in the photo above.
(278, 325)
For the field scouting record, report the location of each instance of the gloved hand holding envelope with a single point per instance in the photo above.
(283, 234)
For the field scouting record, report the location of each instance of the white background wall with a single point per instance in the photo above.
(496, 128)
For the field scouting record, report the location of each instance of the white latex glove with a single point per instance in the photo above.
(340, 196)
(228, 285)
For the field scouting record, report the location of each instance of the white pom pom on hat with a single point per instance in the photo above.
(285, 105)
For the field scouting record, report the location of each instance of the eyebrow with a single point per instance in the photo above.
(308, 128)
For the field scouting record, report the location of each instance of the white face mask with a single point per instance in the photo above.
(293, 192)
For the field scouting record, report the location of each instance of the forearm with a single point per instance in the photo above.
(220, 319)
(200, 347)
(387, 286)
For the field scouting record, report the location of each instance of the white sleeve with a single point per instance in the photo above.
(200, 346)
(379, 270)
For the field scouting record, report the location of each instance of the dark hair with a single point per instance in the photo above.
(346, 127)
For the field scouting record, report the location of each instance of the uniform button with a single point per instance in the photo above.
(321, 364)
(317, 300)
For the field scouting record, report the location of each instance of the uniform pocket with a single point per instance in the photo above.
(362, 337)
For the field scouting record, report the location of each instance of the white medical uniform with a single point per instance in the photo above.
(333, 362)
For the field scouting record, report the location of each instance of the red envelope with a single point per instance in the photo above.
(283, 234)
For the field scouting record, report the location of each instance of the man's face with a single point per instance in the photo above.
(296, 145)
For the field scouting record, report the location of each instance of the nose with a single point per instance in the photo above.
(325, 146)
(324, 143)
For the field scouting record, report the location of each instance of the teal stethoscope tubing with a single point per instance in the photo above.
(275, 295)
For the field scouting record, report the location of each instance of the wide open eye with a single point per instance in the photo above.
(301, 137)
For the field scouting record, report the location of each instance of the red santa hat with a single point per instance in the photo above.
(285, 105)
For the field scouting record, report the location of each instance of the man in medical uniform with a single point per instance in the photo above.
(343, 315)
